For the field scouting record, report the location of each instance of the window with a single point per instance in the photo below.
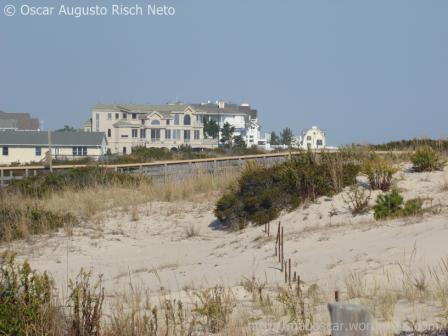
(109, 132)
(176, 119)
(187, 119)
(167, 122)
(308, 137)
(176, 134)
(186, 135)
(142, 133)
(134, 132)
(168, 134)
(134, 115)
(124, 136)
(319, 142)
(79, 151)
(38, 151)
(124, 150)
(125, 115)
(155, 134)
(97, 124)
(5, 151)
(117, 116)
(197, 134)
(155, 122)
(109, 116)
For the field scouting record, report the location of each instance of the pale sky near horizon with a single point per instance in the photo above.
(365, 71)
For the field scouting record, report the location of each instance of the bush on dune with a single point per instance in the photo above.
(77, 179)
(392, 205)
(20, 222)
(262, 193)
(426, 159)
(379, 172)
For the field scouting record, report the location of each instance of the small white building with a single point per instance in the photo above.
(313, 138)
(32, 146)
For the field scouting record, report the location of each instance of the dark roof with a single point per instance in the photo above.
(23, 120)
(209, 108)
(36, 138)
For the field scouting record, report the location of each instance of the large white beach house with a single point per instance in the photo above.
(170, 125)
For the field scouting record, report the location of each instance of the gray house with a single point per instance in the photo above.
(32, 146)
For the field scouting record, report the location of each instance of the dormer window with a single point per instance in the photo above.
(187, 119)
(155, 122)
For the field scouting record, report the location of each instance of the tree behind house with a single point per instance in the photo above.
(238, 142)
(286, 136)
(211, 128)
(227, 134)
(275, 140)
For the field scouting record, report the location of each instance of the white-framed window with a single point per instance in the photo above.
(168, 134)
(5, 151)
(97, 122)
(186, 135)
(109, 116)
(197, 134)
(187, 119)
(134, 133)
(134, 115)
(109, 132)
(124, 115)
(38, 151)
(117, 115)
(176, 134)
(142, 133)
(79, 151)
(155, 122)
(176, 119)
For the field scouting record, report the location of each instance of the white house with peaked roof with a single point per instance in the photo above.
(32, 146)
(312, 138)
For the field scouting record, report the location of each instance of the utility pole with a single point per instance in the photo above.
(50, 157)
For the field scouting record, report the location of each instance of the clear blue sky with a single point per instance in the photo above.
(366, 71)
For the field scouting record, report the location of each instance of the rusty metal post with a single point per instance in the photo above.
(282, 244)
(336, 295)
(286, 273)
(295, 277)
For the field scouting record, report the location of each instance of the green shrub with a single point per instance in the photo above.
(379, 172)
(426, 159)
(262, 193)
(18, 223)
(214, 307)
(26, 303)
(357, 199)
(391, 206)
(78, 178)
(86, 304)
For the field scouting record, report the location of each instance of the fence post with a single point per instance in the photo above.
(165, 172)
(2, 183)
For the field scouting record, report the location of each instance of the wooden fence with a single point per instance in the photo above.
(160, 170)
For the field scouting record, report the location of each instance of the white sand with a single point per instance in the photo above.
(323, 249)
